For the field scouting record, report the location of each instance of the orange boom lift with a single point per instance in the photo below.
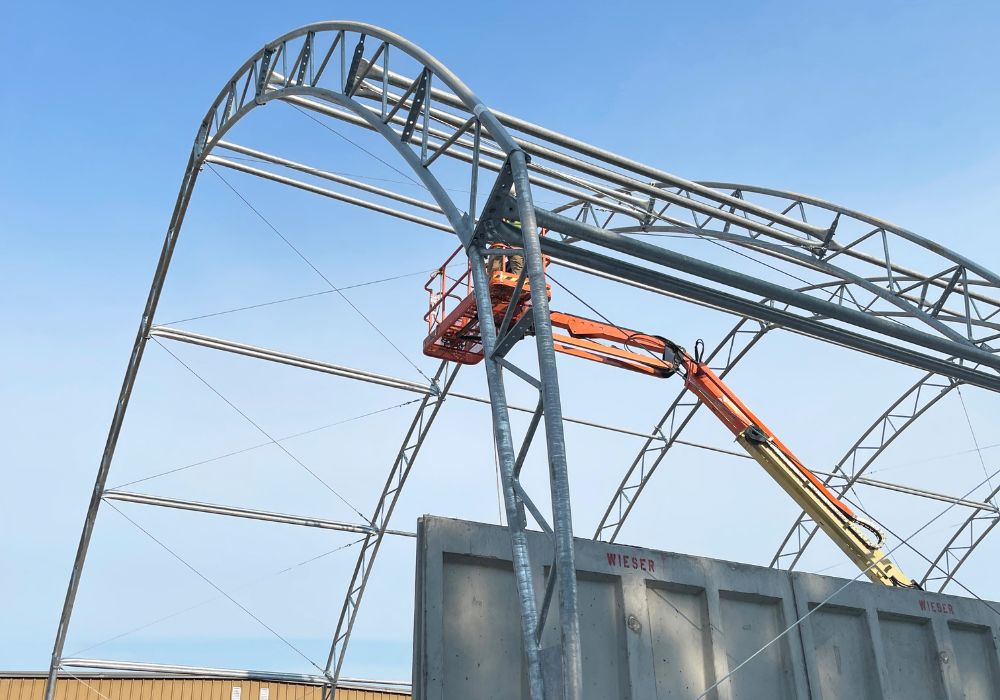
(453, 334)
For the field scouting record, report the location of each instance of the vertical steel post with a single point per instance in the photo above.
(505, 448)
(176, 220)
(562, 520)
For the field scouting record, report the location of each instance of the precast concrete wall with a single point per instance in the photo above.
(664, 625)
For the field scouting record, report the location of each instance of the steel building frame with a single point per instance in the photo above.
(865, 291)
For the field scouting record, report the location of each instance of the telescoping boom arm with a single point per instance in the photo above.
(454, 335)
(833, 516)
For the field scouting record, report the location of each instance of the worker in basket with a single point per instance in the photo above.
(514, 264)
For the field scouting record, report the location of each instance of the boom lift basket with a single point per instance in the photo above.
(453, 315)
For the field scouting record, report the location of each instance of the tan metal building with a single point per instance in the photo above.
(105, 686)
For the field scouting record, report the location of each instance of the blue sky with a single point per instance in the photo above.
(889, 108)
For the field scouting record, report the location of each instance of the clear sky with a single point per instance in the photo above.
(890, 108)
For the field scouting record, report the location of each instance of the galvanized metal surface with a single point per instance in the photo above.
(259, 73)
(663, 625)
(887, 281)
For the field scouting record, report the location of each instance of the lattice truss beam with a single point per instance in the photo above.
(861, 283)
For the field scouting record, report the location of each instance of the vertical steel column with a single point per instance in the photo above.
(505, 448)
(176, 219)
(562, 519)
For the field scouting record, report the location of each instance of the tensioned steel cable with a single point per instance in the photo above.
(860, 505)
(837, 592)
(753, 259)
(975, 440)
(356, 145)
(933, 459)
(594, 310)
(926, 558)
(265, 444)
(689, 236)
(264, 432)
(245, 586)
(211, 583)
(76, 677)
(315, 269)
(297, 298)
(623, 331)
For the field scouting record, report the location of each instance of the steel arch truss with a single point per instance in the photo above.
(737, 343)
(407, 455)
(866, 289)
(897, 293)
(850, 470)
(954, 301)
(903, 413)
(315, 62)
(956, 552)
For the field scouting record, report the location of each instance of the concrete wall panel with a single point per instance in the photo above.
(661, 625)
(750, 624)
(682, 645)
(911, 660)
(602, 636)
(842, 651)
(483, 658)
(976, 657)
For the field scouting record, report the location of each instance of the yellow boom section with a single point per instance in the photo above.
(875, 564)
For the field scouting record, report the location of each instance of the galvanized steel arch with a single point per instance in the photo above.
(847, 277)
(926, 392)
(900, 415)
(972, 532)
(734, 346)
(915, 294)
(259, 70)
(884, 428)
(911, 294)
(255, 84)
(794, 198)
(908, 284)
(911, 299)
(956, 552)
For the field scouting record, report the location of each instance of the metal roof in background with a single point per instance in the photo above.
(30, 685)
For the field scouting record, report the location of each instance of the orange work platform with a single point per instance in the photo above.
(453, 316)
(455, 336)
(453, 324)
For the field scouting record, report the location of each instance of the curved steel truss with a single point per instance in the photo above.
(737, 343)
(900, 415)
(979, 523)
(859, 282)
